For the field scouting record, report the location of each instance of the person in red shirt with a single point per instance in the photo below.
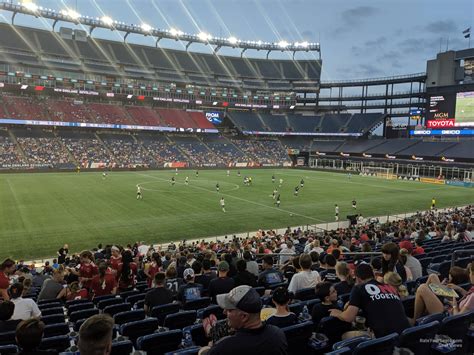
(127, 271)
(153, 268)
(418, 249)
(87, 270)
(6, 268)
(104, 283)
(73, 291)
(115, 258)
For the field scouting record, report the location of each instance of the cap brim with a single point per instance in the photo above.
(224, 302)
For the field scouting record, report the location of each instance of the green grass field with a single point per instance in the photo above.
(465, 110)
(41, 211)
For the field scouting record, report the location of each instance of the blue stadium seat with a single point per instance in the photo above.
(49, 301)
(350, 343)
(160, 312)
(305, 294)
(134, 330)
(409, 305)
(379, 346)
(77, 324)
(342, 351)
(135, 298)
(80, 307)
(456, 327)
(296, 307)
(102, 298)
(333, 328)
(75, 302)
(58, 343)
(212, 309)
(52, 330)
(9, 349)
(196, 304)
(417, 338)
(126, 294)
(180, 320)
(124, 347)
(298, 336)
(7, 338)
(194, 350)
(129, 316)
(75, 316)
(310, 304)
(116, 308)
(48, 305)
(50, 311)
(160, 343)
(109, 302)
(431, 318)
(197, 334)
(53, 319)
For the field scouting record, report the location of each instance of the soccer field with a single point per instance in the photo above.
(41, 211)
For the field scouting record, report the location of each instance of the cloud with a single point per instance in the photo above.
(369, 47)
(353, 17)
(308, 35)
(441, 27)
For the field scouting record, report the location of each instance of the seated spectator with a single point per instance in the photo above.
(378, 302)
(343, 273)
(391, 260)
(327, 293)
(6, 269)
(53, 286)
(242, 307)
(269, 276)
(104, 283)
(418, 248)
(426, 302)
(6, 312)
(73, 291)
(287, 250)
(305, 278)
(205, 274)
(315, 261)
(458, 276)
(158, 296)
(95, 335)
(173, 282)
(25, 308)
(29, 334)
(221, 284)
(282, 317)
(190, 290)
(329, 274)
(243, 276)
(403, 260)
(252, 265)
(394, 279)
(412, 263)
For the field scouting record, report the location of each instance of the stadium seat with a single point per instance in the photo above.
(75, 316)
(129, 316)
(52, 330)
(180, 320)
(418, 338)
(194, 350)
(117, 308)
(305, 294)
(197, 334)
(196, 304)
(9, 349)
(409, 305)
(7, 338)
(296, 307)
(298, 336)
(53, 319)
(160, 312)
(379, 346)
(58, 343)
(310, 304)
(135, 298)
(49, 301)
(109, 302)
(431, 318)
(124, 347)
(80, 307)
(50, 311)
(350, 343)
(134, 330)
(456, 327)
(97, 299)
(160, 343)
(333, 328)
(49, 305)
(212, 309)
(341, 351)
(76, 302)
(126, 294)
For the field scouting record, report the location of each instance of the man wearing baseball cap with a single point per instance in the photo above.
(190, 290)
(242, 307)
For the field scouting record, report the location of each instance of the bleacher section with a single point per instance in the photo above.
(359, 146)
(428, 149)
(326, 146)
(463, 149)
(392, 146)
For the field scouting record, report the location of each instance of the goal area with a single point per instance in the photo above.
(384, 173)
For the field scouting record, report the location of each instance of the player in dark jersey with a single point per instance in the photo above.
(354, 204)
(217, 187)
(297, 189)
(302, 183)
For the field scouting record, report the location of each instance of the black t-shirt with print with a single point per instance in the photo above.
(321, 311)
(381, 306)
(329, 275)
(282, 322)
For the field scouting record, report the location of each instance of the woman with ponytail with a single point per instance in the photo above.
(127, 271)
(104, 283)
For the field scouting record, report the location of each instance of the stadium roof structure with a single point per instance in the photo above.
(69, 15)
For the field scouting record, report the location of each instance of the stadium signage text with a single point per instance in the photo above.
(440, 123)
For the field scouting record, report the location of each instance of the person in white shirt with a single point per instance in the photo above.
(25, 308)
(315, 245)
(305, 278)
(286, 252)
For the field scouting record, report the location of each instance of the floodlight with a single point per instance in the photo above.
(304, 44)
(30, 6)
(175, 32)
(107, 20)
(283, 44)
(233, 40)
(145, 27)
(203, 36)
(73, 14)
(259, 43)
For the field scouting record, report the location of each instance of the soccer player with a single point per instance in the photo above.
(238, 173)
(173, 181)
(336, 212)
(222, 204)
(197, 173)
(186, 180)
(246, 181)
(297, 189)
(104, 175)
(176, 171)
(281, 182)
(250, 180)
(302, 183)
(217, 187)
(274, 195)
(349, 176)
(433, 203)
(228, 172)
(354, 204)
(139, 193)
(273, 179)
(278, 201)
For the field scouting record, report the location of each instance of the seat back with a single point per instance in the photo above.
(109, 302)
(52, 330)
(298, 336)
(160, 312)
(296, 307)
(75, 302)
(129, 316)
(180, 320)
(50, 311)
(419, 338)
(97, 299)
(135, 298)
(75, 316)
(379, 346)
(117, 308)
(350, 343)
(160, 343)
(80, 307)
(197, 334)
(59, 343)
(212, 309)
(124, 347)
(333, 328)
(305, 294)
(53, 319)
(7, 338)
(49, 301)
(134, 330)
(456, 327)
(310, 304)
(194, 350)
(431, 318)
(9, 349)
(198, 303)
(126, 294)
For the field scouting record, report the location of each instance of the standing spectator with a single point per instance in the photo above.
(25, 308)
(115, 258)
(305, 278)
(221, 284)
(6, 269)
(87, 269)
(159, 295)
(127, 271)
(52, 287)
(153, 268)
(378, 302)
(62, 254)
(282, 317)
(244, 277)
(95, 335)
(252, 265)
(104, 283)
(191, 290)
(7, 324)
(412, 263)
(29, 334)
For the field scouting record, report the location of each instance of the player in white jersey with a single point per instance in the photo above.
(336, 212)
(281, 182)
(139, 193)
(228, 172)
(186, 180)
(354, 204)
(176, 171)
(222, 202)
(274, 195)
(104, 175)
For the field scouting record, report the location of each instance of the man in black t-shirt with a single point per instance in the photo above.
(159, 295)
(242, 307)
(380, 303)
(221, 284)
(329, 274)
(191, 290)
(269, 276)
(62, 254)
